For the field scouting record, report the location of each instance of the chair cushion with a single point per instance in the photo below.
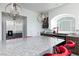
(71, 44)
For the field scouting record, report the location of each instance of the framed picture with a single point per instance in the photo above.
(45, 23)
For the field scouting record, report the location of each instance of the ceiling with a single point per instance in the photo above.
(40, 7)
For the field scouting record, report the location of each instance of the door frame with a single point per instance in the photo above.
(4, 27)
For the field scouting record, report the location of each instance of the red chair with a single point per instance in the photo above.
(70, 44)
(63, 52)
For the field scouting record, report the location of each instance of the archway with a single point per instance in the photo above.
(64, 22)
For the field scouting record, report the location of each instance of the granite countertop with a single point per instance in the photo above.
(29, 46)
(73, 35)
(59, 34)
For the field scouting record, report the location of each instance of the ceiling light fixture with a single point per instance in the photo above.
(13, 9)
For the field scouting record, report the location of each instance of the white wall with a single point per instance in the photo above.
(33, 26)
(72, 8)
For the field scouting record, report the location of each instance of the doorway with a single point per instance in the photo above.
(12, 29)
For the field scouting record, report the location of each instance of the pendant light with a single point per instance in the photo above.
(13, 9)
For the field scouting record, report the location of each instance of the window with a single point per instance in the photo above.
(64, 23)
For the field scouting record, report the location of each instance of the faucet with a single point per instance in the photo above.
(56, 29)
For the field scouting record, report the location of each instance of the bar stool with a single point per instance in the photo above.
(63, 52)
(70, 44)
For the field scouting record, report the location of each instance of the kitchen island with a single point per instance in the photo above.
(33, 46)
